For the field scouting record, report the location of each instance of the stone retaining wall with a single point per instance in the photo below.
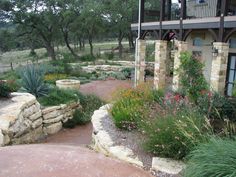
(23, 120)
(102, 66)
(102, 142)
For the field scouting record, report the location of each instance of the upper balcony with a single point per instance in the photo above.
(196, 14)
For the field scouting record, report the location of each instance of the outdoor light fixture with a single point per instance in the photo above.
(215, 51)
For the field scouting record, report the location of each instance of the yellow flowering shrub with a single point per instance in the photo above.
(52, 78)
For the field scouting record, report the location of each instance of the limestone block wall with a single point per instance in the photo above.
(219, 67)
(140, 64)
(22, 119)
(54, 116)
(161, 55)
(181, 47)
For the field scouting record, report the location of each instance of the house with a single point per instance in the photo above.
(207, 28)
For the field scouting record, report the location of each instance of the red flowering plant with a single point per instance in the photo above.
(175, 101)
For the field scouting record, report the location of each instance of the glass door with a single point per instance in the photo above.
(231, 76)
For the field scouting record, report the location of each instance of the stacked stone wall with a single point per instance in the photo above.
(23, 120)
(219, 67)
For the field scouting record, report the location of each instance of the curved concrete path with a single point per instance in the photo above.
(61, 155)
(61, 161)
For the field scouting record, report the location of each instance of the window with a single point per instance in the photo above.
(232, 43)
(197, 42)
(200, 1)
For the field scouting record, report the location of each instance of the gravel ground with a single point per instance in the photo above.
(132, 140)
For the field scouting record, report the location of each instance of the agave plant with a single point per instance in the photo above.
(33, 82)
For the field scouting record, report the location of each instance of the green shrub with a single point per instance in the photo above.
(216, 158)
(191, 76)
(150, 52)
(130, 107)
(68, 58)
(158, 95)
(10, 75)
(4, 89)
(127, 72)
(216, 106)
(89, 104)
(33, 81)
(87, 58)
(109, 56)
(174, 135)
(58, 96)
(48, 68)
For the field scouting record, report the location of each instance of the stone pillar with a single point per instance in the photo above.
(182, 46)
(219, 67)
(160, 70)
(140, 61)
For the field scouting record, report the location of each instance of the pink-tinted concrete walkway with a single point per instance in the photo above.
(61, 161)
(104, 89)
(61, 155)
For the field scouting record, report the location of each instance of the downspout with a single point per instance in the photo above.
(136, 50)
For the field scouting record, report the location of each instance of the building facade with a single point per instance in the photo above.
(207, 28)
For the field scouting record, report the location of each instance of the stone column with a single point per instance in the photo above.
(182, 46)
(161, 57)
(140, 61)
(219, 67)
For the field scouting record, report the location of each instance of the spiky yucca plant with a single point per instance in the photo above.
(216, 158)
(32, 81)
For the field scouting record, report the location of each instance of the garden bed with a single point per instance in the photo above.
(125, 145)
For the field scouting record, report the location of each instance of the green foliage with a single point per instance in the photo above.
(234, 90)
(129, 107)
(87, 58)
(89, 103)
(174, 135)
(158, 96)
(109, 56)
(4, 89)
(150, 52)
(52, 68)
(68, 58)
(116, 75)
(33, 81)
(9, 75)
(191, 76)
(58, 96)
(216, 158)
(127, 72)
(216, 106)
(126, 113)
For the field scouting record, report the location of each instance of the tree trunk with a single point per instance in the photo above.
(131, 41)
(83, 42)
(91, 45)
(120, 44)
(80, 44)
(51, 51)
(65, 35)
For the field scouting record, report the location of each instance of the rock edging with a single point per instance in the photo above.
(103, 143)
